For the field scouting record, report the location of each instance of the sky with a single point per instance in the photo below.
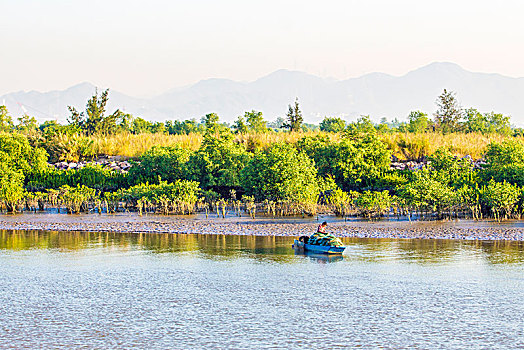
(143, 48)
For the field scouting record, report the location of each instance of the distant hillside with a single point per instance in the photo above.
(378, 95)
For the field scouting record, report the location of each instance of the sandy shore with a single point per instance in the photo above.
(460, 230)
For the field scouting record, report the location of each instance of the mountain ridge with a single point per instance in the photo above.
(375, 94)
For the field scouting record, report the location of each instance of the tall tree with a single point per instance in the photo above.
(294, 118)
(95, 109)
(93, 121)
(418, 121)
(6, 123)
(333, 124)
(240, 125)
(449, 112)
(255, 121)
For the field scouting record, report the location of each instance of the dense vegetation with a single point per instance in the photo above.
(285, 167)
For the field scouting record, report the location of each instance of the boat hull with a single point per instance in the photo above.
(322, 249)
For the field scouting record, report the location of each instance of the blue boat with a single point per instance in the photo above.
(322, 249)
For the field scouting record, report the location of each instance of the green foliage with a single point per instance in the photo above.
(94, 176)
(333, 124)
(76, 199)
(500, 198)
(11, 187)
(179, 197)
(505, 162)
(449, 112)
(450, 170)
(184, 127)
(166, 163)
(18, 155)
(93, 120)
(255, 122)
(218, 162)
(240, 125)
(27, 125)
(356, 163)
(210, 122)
(487, 123)
(281, 173)
(373, 203)
(294, 118)
(418, 122)
(69, 147)
(6, 122)
(341, 202)
(360, 163)
(363, 126)
(426, 193)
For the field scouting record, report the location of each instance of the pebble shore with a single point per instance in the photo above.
(269, 227)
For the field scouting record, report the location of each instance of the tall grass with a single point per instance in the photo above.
(410, 146)
(130, 145)
(406, 146)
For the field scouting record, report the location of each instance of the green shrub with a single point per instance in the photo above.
(18, 155)
(281, 173)
(218, 162)
(373, 203)
(500, 198)
(76, 199)
(505, 162)
(165, 163)
(179, 197)
(11, 187)
(94, 176)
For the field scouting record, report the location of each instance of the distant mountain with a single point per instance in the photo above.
(377, 94)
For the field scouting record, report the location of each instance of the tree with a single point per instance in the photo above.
(277, 124)
(418, 122)
(27, 124)
(183, 127)
(333, 124)
(6, 123)
(11, 186)
(240, 126)
(355, 163)
(362, 126)
(218, 161)
(281, 173)
(449, 112)
(210, 121)
(255, 121)
(504, 162)
(294, 118)
(93, 121)
(475, 121)
(498, 123)
(18, 155)
(165, 163)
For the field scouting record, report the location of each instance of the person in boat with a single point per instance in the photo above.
(321, 237)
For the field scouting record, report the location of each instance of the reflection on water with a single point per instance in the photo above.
(276, 248)
(163, 291)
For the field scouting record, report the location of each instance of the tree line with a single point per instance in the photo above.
(347, 174)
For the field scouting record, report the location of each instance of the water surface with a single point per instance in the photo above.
(110, 290)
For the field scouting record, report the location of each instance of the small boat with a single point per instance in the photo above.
(323, 249)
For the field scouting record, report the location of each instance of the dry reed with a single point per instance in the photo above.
(406, 146)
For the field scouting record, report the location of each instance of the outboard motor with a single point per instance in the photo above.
(304, 239)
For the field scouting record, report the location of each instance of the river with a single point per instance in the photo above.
(168, 291)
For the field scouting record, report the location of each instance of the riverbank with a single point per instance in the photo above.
(459, 230)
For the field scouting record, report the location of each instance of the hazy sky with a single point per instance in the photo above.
(146, 47)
